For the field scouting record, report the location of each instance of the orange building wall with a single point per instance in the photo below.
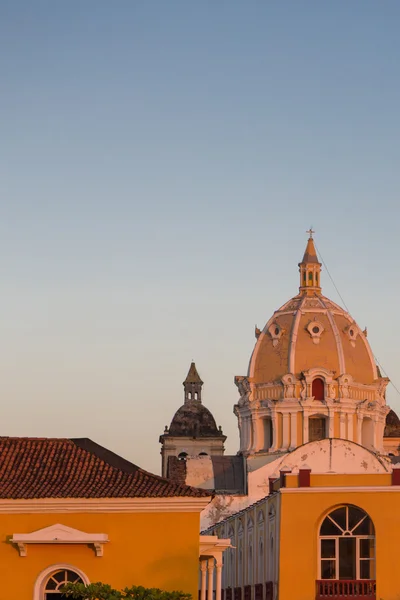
(144, 549)
(301, 515)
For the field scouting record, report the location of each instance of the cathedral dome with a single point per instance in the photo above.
(193, 419)
(311, 331)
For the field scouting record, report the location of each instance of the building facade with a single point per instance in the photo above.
(310, 501)
(71, 510)
(316, 537)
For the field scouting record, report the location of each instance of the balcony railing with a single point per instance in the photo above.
(331, 589)
(259, 591)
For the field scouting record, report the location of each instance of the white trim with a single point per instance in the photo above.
(336, 333)
(347, 488)
(104, 505)
(59, 534)
(42, 578)
(293, 338)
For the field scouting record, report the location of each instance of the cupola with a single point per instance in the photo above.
(310, 269)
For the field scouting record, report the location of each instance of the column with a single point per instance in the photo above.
(331, 424)
(219, 581)
(203, 568)
(210, 579)
(285, 430)
(256, 440)
(305, 427)
(374, 434)
(274, 422)
(359, 429)
(249, 437)
(350, 429)
(342, 430)
(293, 430)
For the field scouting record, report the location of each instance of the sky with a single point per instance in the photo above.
(160, 163)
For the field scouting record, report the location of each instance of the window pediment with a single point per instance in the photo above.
(59, 534)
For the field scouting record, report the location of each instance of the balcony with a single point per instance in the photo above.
(331, 589)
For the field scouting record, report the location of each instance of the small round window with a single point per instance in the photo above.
(315, 329)
(276, 331)
(351, 332)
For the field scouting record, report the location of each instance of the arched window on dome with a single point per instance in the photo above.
(318, 389)
(347, 545)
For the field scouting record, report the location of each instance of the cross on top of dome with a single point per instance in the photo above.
(310, 232)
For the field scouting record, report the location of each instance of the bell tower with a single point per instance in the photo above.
(193, 431)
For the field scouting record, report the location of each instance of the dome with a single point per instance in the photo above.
(193, 419)
(311, 331)
(392, 428)
(307, 332)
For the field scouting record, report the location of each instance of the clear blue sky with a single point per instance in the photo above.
(160, 163)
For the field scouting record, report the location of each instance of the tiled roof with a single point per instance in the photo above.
(80, 468)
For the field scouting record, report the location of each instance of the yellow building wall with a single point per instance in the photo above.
(153, 550)
(301, 516)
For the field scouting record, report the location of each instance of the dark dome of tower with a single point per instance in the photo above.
(193, 419)
(392, 428)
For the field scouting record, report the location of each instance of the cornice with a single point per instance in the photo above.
(104, 505)
(337, 490)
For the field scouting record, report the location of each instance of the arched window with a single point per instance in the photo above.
(182, 455)
(203, 454)
(347, 545)
(318, 389)
(56, 582)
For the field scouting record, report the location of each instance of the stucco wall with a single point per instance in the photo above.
(144, 549)
(301, 515)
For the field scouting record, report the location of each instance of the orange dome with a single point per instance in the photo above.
(311, 331)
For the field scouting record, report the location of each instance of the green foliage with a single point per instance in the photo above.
(103, 591)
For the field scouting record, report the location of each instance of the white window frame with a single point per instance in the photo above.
(40, 583)
(343, 536)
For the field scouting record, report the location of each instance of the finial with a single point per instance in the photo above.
(310, 232)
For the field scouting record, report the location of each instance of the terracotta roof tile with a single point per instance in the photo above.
(63, 468)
